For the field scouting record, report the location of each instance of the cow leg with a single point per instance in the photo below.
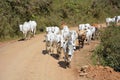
(66, 58)
(59, 51)
(25, 36)
(69, 61)
(79, 43)
(48, 48)
(29, 35)
(34, 32)
(53, 47)
(82, 44)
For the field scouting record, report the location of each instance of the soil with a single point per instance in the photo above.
(27, 60)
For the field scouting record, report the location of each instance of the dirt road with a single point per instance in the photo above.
(24, 60)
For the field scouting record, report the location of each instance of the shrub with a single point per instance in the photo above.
(108, 52)
(51, 12)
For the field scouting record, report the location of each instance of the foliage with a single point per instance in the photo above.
(52, 12)
(108, 53)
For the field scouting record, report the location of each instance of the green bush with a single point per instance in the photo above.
(53, 12)
(108, 52)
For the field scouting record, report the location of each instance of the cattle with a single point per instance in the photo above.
(87, 26)
(56, 30)
(48, 30)
(53, 29)
(97, 29)
(81, 37)
(93, 31)
(28, 27)
(65, 32)
(25, 28)
(81, 27)
(50, 42)
(74, 36)
(54, 40)
(88, 36)
(33, 25)
(68, 49)
(68, 39)
(84, 26)
(109, 20)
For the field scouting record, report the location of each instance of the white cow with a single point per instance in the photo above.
(33, 25)
(93, 31)
(25, 28)
(28, 27)
(74, 36)
(84, 26)
(109, 20)
(65, 32)
(53, 41)
(48, 30)
(88, 35)
(81, 27)
(49, 42)
(68, 49)
(53, 29)
(87, 26)
(56, 30)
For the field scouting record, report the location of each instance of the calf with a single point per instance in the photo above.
(81, 37)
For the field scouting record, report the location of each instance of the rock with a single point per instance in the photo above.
(83, 74)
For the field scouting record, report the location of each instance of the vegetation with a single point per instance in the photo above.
(108, 52)
(73, 12)
(52, 12)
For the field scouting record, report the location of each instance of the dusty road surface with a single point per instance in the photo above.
(24, 60)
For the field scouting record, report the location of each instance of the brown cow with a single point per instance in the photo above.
(81, 37)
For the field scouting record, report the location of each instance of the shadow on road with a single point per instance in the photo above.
(44, 52)
(55, 56)
(21, 39)
(77, 48)
(62, 64)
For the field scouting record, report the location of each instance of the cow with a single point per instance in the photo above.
(74, 36)
(65, 32)
(25, 28)
(33, 25)
(68, 49)
(56, 30)
(93, 30)
(81, 37)
(54, 42)
(88, 36)
(48, 30)
(81, 27)
(109, 20)
(84, 26)
(28, 27)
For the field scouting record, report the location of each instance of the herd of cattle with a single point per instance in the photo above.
(64, 40)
